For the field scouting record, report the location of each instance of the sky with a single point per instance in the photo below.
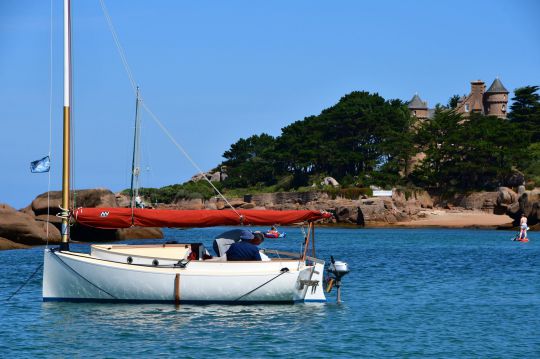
(217, 71)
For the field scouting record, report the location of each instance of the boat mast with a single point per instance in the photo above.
(135, 169)
(67, 130)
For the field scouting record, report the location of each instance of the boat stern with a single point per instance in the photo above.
(310, 283)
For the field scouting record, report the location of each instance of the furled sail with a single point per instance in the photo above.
(109, 218)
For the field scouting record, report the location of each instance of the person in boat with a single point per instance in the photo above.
(272, 233)
(246, 249)
(259, 237)
(138, 202)
(523, 226)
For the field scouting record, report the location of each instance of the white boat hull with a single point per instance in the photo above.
(69, 276)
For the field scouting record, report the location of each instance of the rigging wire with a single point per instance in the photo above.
(119, 47)
(168, 134)
(154, 117)
(72, 195)
(50, 122)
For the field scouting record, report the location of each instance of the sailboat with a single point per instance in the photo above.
(178, 272)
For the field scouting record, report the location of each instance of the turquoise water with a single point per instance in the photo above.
(411, 293)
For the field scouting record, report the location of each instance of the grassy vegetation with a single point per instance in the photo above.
(175, 192)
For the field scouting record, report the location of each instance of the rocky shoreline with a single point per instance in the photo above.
(38, 224)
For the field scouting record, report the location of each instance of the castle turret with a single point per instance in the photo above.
(418, 108)
(496, 99)
(477, 96)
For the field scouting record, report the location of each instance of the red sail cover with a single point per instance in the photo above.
(109, 218)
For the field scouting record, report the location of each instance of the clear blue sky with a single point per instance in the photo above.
(216, 71)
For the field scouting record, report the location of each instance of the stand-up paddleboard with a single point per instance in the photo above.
(518, 239)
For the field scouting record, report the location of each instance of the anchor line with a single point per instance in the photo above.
(25, 283)
(81, 276)
(283, 271)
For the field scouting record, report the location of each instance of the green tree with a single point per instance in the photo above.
(453, 101)
(531, 165)
(250, 161)
(362, 136)
(525, 111)
(437, 139)
(477, 152)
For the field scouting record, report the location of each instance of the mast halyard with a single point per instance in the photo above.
(135, 165)
(64, 245)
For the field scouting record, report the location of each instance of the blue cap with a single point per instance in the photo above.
(246, 235)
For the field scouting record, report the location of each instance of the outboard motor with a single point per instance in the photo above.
(334, 272)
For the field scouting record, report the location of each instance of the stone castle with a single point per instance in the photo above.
(492, 102)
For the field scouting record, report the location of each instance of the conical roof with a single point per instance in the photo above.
(417, 103)
(497, 86)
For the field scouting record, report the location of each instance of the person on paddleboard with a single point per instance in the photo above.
(523, 226)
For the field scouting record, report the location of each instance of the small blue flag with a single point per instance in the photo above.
(40, 166)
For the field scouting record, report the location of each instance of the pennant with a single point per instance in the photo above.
(40, 166)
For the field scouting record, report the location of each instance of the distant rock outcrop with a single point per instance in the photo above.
(330, 181)
(6, 244)
(23, 228)
(38, 224)
(515, 204)
(482, 201)
(211, 176)
(411, 202)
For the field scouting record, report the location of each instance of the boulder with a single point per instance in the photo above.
(6, 244)
(527, 202)
(379, 210)
(220, 204)
(83, 198)
(22, 228)
(198, 177)
(330, 181)
(484, 201)
(215, 177)
(346, 214)
(51, 231)
(28, 210)
(139, 233)
(195, 203)
(122, 200)
(49, 218)
(415, 198)
(281, 198)
(236, 203)
(506, 196)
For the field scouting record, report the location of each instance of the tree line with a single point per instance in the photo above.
(366, 140)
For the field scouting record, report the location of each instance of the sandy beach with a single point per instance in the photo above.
(457, 219)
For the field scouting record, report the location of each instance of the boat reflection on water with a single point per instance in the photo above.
(193, 317)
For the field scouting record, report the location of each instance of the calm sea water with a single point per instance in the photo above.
(411, 293)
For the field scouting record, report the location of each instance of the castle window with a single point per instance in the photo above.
(503, 107)
(414, 112)
(466, 107)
